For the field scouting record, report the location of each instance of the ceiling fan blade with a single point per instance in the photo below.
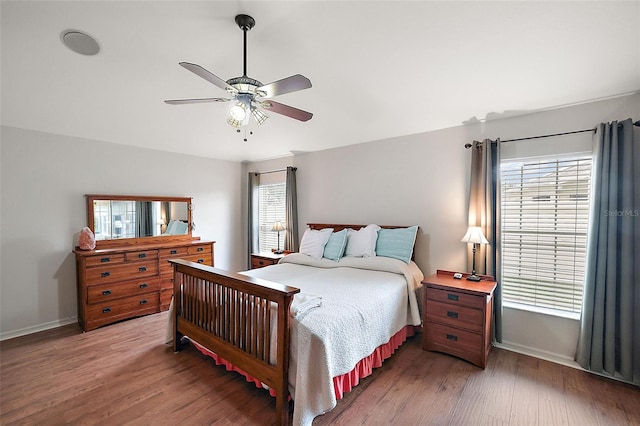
(286, 85)
(211, 78)
(194, 101)
(287, 110)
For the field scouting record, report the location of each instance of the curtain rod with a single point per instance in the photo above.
(468, 145)
(274, 171)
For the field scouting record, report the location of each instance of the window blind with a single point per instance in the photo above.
(271, 207)
(545, 215)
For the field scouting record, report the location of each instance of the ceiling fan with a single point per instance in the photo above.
(249, 97)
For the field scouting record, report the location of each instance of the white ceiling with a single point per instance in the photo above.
(379, 69)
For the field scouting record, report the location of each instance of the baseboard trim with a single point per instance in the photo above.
(36, 328)
(538, 353)
(553, 357)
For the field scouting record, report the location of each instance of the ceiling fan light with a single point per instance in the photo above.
(259, 116)
(234, 123)
(237, 112)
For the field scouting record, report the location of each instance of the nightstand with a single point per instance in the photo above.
(262, 259)
(457, 316)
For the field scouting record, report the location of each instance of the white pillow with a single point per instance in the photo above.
(362, 243)
(313, 242)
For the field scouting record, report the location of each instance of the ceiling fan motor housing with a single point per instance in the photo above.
(245, 22)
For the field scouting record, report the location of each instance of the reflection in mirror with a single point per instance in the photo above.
(120, 218)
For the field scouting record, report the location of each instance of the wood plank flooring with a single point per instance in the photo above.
(124, 374)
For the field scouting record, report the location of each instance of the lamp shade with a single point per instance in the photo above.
(277, 226)
(474, 235)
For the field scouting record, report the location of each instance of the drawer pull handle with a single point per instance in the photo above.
(144, 285)
(143, 302)
(200, 248)
(200, 260)
(452, 296)
(105, 274)
(105, 259)
(452, 314)
(452, 337)
(142, 255)
(106, 292)
(106, 310)
(174, 251)
(142, 268)
(261, 262)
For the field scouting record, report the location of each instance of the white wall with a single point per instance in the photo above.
(424, 179)
(44, 179)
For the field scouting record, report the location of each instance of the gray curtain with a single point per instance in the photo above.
(609, 340)
(291, 204)
(253, 245)
(145, 219)
(484, 211)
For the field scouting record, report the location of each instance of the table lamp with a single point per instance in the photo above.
(277, 227)
(475, 236)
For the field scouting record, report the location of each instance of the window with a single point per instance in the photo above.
(545, 213)
(271, 207)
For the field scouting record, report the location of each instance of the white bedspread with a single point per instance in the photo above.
(365, 301)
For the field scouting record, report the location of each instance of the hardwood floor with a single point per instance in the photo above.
(124, 374)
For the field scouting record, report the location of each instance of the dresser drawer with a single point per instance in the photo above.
(464, 344)
(173, 252)
(106, 292)
(165, 299)
(128, 307)
(107, 259)
(202, 258)
(455, 315)
(166, 282)
(141, 255)
(456, 298)
(201, 249)
(125, 271)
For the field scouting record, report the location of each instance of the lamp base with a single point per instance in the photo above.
(474, 278)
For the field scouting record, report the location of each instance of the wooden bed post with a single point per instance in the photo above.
(284, 330)
(177, 296)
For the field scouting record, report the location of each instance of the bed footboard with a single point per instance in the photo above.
(231, 315)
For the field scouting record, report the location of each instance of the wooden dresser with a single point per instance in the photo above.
(124, 282)
(457, 316)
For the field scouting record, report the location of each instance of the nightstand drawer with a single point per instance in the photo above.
(456, 298)
(454, 341)
(257, 262)
(457, 316)
(264, 259)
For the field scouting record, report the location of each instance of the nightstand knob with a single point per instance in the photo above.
(452, 337)
(452, 296)
(452, 314)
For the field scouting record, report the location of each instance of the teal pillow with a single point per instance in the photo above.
(397, 243)
(334, 249)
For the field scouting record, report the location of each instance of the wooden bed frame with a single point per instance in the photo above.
(230, 314)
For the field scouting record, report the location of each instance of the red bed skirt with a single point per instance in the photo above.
(343, 383)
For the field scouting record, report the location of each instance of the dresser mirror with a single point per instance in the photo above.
(124, 219)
